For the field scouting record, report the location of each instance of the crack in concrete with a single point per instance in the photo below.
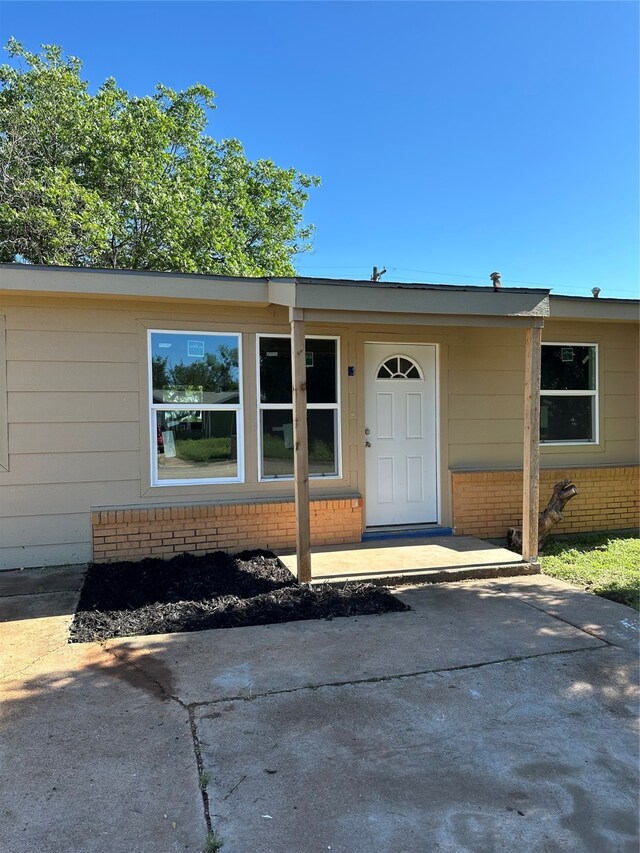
(195, 740)
(32, 662)
(385, 678)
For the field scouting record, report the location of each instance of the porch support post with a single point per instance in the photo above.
(300, 444)
(531, 461)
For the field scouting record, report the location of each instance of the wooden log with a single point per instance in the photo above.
(300, 444)
(549, 517)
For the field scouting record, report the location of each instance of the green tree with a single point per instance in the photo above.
(112, 180)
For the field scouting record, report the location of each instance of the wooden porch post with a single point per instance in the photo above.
(300, 444)
(531, 461)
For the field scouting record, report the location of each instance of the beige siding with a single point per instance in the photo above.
(78, 427)
(74, 438)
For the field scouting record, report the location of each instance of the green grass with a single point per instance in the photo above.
(204, 449)
(603, 563)
(212, 844)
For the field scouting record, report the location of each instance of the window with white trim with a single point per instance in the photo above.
(275, 407)
(569, 394)
(195, 403)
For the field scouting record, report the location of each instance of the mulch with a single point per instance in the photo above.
(218, 590)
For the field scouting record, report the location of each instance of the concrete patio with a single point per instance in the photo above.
(434, 557)
(495, 715)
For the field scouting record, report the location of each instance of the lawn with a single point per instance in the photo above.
(602, 563)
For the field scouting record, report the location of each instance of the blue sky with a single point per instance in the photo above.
(452, 138)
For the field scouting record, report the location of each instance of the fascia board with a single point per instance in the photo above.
(421, 301)
(623, 310)
(24, 279)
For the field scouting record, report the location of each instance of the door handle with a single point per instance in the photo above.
(367, 444)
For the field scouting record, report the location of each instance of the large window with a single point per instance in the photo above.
(569, 394)
(196, 408)
(276, 409)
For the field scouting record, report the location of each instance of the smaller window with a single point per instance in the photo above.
(275, 407)
(399, 367)
(569, 394)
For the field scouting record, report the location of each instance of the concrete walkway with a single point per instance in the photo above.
(495, 715)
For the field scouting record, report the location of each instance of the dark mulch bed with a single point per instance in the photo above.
(193, 593)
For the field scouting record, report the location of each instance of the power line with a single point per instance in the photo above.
(557, 287)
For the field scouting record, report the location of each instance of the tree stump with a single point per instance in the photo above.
(548, 518)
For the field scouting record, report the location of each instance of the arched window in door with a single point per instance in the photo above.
(399, 367)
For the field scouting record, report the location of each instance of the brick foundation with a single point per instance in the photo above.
(132, 534)
(486, 503)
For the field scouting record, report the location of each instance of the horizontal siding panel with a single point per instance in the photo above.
(620, 405)
(71, 320)
(49, 407)
(486, 406)
(72, 376)
(620, 429)
(620, 382)
(45, 555)
(159, 315)
(73, 437)
(485, 431)
(622, 452)
(36, 500)
(485, 381)
(620, 358)
(615, 453)
(463, 456)
(71, 346)
(27, 468)
(486, 357)
(25, 531)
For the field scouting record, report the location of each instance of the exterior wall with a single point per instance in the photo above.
(487, 503)
(167, 531)
(75, 412)
(78, 425)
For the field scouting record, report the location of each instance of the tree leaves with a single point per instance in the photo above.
(112, 180)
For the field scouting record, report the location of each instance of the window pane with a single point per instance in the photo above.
(321, 371)
(568, 368)
(195, 368)
(322, 441)
(275, 370)
(196, 445)
(277, 442)
(567, 418)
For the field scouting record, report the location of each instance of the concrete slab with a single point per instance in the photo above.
(536, 755)
(448, 626)
(93, 757)
(607, 620)
(40, 581)
(401, 556)
(495, 715)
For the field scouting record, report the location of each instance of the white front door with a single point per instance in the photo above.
(400, 434)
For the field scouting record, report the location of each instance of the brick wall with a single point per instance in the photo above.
(486, 503)
(131, 534)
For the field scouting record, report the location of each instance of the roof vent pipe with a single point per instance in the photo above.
(495, 278)
(596, 292)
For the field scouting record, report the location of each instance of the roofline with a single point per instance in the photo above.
(313, 294)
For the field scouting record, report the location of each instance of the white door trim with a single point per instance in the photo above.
(395, 348)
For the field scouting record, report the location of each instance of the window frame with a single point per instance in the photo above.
(595, 393)
(152, 407)
(337, 407)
